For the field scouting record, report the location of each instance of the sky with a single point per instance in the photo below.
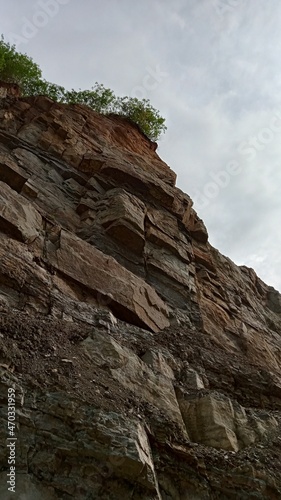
(213, 70)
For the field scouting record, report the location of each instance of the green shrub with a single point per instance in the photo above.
(142, 113)
(98, 98)
(19, 68)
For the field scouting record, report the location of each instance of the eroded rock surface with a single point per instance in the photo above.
(146, 364)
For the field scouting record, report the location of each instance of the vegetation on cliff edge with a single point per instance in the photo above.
(21, 69)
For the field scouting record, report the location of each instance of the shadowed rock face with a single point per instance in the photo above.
(146, 364)
(9, 89)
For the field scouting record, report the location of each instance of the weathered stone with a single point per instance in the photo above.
(192, 379)
(203, 258)
(91, 163)
(122, 216)
(157, 362)
(210, 421)
(217, 422)
(162, 229)
(18, 217)
(197, 228)
(141, 182)
(93, 229)
(131, 297)
(29, 190)
(274, 300)
(11, 173)
(168, 274)
(9, 89)
(135, 375)
(123, 450)
(26, 487)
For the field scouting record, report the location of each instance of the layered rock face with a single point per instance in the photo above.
(146, 365)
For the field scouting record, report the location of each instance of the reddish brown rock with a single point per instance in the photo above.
(83, 263)
(8, 89)
(11, 173)
(146, 363)
(122, 215)
(18, 217)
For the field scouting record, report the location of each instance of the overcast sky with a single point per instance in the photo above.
(212, 68)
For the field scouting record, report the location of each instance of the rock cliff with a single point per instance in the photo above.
(146, 365)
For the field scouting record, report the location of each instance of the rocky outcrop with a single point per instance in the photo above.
(216, 421)
(146, 365)
(9, 90)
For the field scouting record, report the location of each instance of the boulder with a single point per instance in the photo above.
(18, 217)
(131, 298)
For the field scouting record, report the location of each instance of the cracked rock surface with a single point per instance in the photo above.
(146, 365)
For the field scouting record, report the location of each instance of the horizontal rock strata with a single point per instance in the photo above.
(146, 365)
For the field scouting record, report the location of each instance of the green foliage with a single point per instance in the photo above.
(19, 68)
(15, 67)
(42, 87)
(98, 98)
(142, 113)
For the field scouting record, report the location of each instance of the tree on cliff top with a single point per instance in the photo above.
(20, 68)
(17, 68)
